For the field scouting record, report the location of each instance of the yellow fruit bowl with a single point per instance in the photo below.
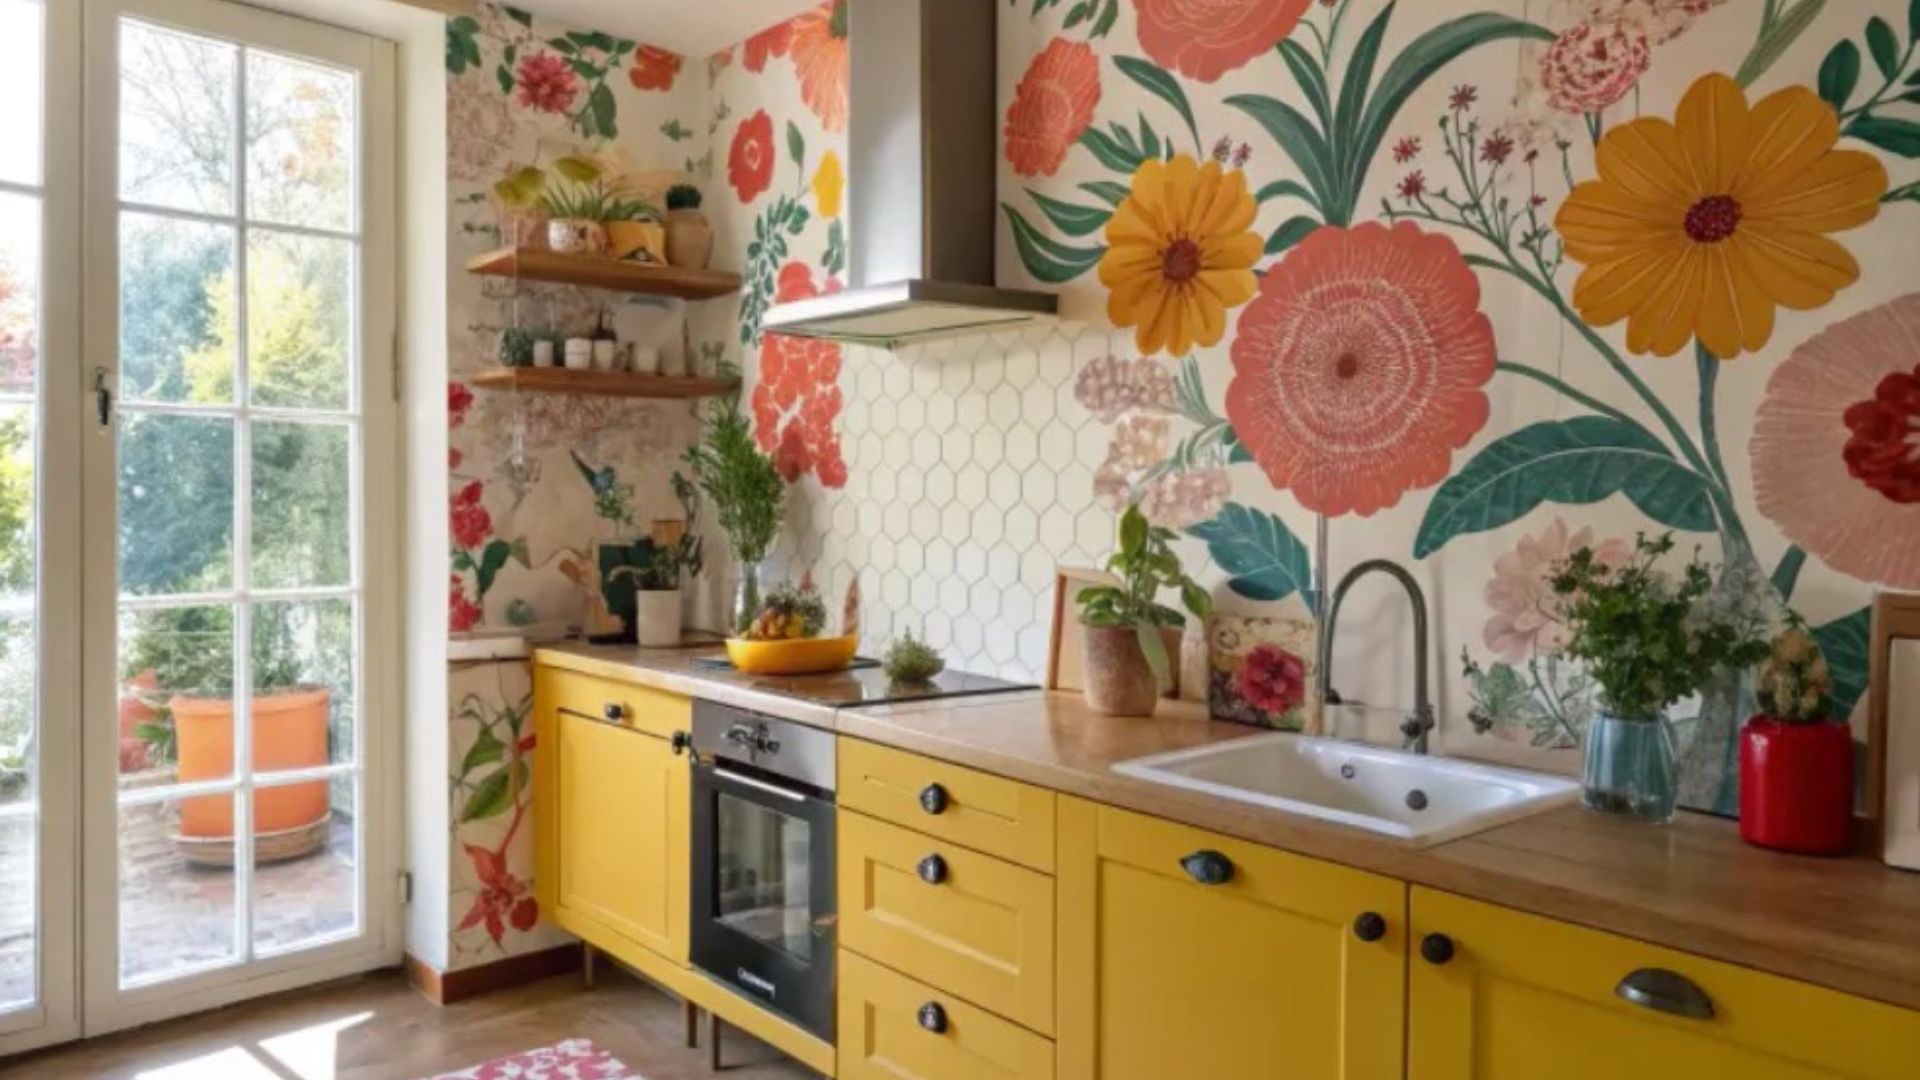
(792, 656)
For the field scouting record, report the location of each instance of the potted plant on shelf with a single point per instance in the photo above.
(747, 496)
(1796, 760)
(181, 662)
(689, 236)
(585, 211)
(1648, 642)
(1126, 654)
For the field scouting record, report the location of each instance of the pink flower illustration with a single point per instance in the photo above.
(471, 524)
(1527, 614)
(462, 613)
(546, 83)
(459, 400)
(503, 899)
(1272, 679)
(1205, 39)
(1590, 67)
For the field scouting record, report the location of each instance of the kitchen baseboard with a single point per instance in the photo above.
(448, 987)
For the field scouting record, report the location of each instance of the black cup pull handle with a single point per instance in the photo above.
(933, 870)
(1666, 991)
(680, 743)
(613, 711)
(1436, 949)
(933, 1018)
(1370, 926)
(1208, 867)
(934, 799)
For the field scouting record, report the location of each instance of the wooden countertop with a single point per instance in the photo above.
(1851, 924)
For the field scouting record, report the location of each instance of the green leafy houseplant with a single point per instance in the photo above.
(741, 482)
(1146, 564)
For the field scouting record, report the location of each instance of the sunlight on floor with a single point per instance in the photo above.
(306, 1054)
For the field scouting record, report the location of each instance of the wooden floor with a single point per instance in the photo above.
(378, 1028)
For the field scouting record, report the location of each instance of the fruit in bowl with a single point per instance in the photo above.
(788, 613)
(784, 637)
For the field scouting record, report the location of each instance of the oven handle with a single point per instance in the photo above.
(759, 785)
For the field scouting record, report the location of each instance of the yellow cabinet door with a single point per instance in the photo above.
(1273, 973)
(614, 834)
(893, 1028)
(1523, 997)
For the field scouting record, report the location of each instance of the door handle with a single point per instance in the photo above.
(760, 785)
(102, 396)
(1436, 949)
(1370, 926)
(1666, 991)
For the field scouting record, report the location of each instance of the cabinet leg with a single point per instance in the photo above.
(715, 1028)
(691, 1013)
(586, 965)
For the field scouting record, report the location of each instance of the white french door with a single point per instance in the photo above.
(208, 805)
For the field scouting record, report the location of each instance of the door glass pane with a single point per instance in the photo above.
(177, 313)
(302, 505)
(176, 690)
(176, 504)
(177, 94)
(19, 877)
(300, 139)
(300, 319)
(303, 684)
(764, 889)
(176, 887)
(19, 289)
(305, 855)
(22, 30)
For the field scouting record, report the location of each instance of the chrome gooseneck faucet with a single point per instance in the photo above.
(1419, 722)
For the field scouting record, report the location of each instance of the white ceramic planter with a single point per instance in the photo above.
(657, 618)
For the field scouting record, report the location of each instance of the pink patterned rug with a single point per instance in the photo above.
(574, 1059)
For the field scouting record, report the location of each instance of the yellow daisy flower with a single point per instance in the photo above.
(1180, 253)
(829, 183)
(1703, 226)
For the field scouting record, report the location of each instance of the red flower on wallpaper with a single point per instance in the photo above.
(797, 400)
(1205, 39)
(1590, 67)
(503, 899)
(459, 400)
(547, 82)
(1361, 366)
(1272, 679)
(653, 68)
(820, 60)
(750, 160)
(462, 613)
(470, 522)
(1053, 104)
(768, 43)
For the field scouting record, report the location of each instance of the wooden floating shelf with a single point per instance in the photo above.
(600, 272)
(554, 380)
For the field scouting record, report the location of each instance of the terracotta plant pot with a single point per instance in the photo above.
(1796, 786)
(1120, 682)
(289, 732)
(656, 618)
(689, 239)
(577, 236)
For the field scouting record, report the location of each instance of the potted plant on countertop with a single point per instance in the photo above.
(1127, 663)
(1648, 642)
(689, 236)
(747, 496)
(1796, 760)
(662, 560)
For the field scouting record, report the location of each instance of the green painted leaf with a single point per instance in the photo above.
(1069, 218)
(1768, 49)
(492, 560)
(492, 798)
(1106, 20)
(486, 750)
(1297, 138)
(1913, 19)
(1572, 462)
(1161, 85)
(1884, 46)
(1892, 135)
(1113, 193)
(504, 76)
(1291, 231)
(1839, 74)
(1284, 188)
(1313, 82)
(603, 107)
(519, 15)
(1047, 259)
(1347, 110)
(1110, 152)
(1845, 643)
(1266, 560)
(796, 146)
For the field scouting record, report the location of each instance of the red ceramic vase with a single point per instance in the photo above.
(1796, 786)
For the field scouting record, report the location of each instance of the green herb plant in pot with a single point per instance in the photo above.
(1127, 662)
(747, 496)
(1648, 641)
(662, 560)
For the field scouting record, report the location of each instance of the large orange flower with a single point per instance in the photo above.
(1205, 39)
(820, 60)
(653, 68)
(1361, 366)
(1052, 105)
(1705, 225)
(1180, 253)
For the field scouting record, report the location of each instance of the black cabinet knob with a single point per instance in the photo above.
(681, 743)
(933, 1018)
(613, 711)
(1208, 867)
(1436, 948)
(934, 799)
(1370, 926)
(933, 869)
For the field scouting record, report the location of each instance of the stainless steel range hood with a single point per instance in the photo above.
(922, 139)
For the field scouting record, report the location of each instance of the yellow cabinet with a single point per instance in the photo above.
(974, 809)
(612, 808)
(893, 1028)
(1518, 997)
(1271, 972)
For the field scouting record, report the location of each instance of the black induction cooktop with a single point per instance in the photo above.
(865, 684)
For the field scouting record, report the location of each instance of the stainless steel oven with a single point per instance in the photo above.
(763, 895)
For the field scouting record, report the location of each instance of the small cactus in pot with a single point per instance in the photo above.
(1796, 758)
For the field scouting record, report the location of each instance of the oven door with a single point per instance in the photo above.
(763, 903)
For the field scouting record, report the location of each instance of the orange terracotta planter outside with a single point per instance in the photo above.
(289, 732)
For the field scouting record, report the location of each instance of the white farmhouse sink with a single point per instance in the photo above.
(1355, 784)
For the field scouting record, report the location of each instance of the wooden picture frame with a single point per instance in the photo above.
(1065, 666)
(1893, 749)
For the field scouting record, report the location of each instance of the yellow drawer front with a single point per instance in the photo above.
(974, 809)
(1525, 997)
(983, 931)
(641, 708)
(881, 1035)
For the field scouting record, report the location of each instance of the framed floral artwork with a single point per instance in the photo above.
(1264, 671)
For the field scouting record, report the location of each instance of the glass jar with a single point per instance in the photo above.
(746, 598)
(1629, 767)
